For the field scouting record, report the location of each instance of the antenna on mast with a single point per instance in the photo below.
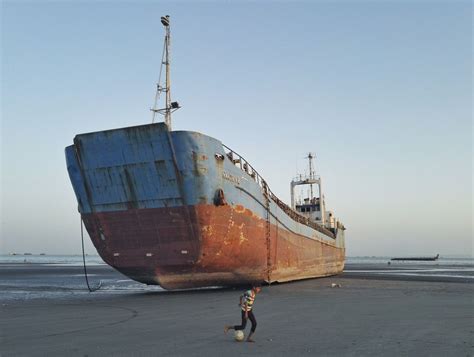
(170, 106)
(310, 158)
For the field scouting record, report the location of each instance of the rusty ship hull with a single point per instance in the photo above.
(176, 208)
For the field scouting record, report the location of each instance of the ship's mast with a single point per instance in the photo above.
(166, 23)
(311, 172)
(170, 106)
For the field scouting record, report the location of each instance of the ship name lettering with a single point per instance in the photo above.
(231, 178)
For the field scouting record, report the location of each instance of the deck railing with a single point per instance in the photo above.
(239, 161)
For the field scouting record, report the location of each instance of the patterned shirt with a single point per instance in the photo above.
(247, 300)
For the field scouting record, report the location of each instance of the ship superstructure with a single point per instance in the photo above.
(313, 207)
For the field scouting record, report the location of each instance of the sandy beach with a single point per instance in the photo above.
(45, 311)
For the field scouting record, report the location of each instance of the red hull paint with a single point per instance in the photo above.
(205, 245)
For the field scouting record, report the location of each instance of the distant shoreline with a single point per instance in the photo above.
(402, 271)
(447, 256)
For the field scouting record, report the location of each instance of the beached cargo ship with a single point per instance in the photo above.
(182, 210)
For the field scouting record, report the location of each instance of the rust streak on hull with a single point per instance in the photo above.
(206, 245)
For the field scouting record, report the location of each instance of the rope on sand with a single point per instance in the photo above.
(84, 261)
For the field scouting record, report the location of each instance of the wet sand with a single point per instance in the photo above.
(45, 311)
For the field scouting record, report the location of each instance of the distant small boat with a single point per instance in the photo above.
(27, 254)
(42, 254)
(418, 258)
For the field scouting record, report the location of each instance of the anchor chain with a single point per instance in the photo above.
(267, 231)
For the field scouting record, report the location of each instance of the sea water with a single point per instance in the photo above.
(452, 268)
(26, 277)
(72, 260)
(75, 260)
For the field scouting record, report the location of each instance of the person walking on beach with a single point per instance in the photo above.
(246, 304)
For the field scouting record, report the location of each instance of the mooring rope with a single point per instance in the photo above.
(84, 261)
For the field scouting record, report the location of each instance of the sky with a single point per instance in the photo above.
(380, 91)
